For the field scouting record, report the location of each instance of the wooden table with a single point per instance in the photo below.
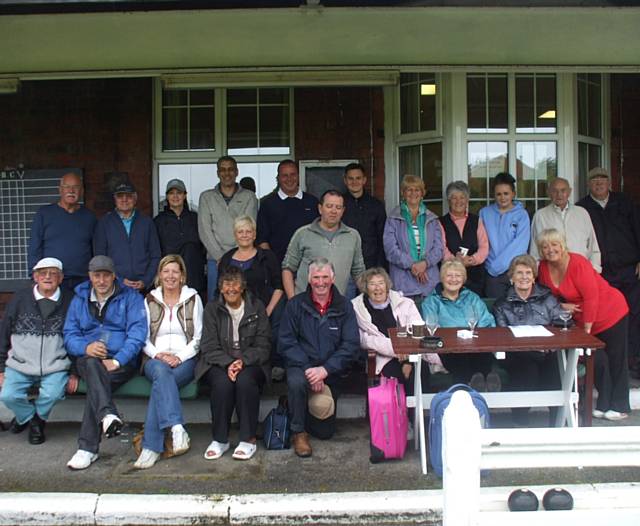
(570, 345)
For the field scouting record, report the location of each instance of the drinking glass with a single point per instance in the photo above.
(432, 323)
(472, 319)
(402, 328)
(565, 316)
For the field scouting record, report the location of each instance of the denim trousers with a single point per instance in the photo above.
(16, 385)
(164, 409)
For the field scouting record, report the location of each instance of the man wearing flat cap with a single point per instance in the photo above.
(130, 239)
(616, 221)
(32, 349)
(105, 330)
(319, 341)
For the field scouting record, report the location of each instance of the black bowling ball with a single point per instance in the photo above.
(557, 499)
(523, 500)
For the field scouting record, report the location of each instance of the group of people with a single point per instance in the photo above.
(281, 299)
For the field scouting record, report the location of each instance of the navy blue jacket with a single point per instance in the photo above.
(308, 339)
(136, 256)
(124, 319)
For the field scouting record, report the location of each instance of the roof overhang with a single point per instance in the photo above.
(160, 42)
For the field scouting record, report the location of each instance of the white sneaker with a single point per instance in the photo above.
(615, 415)
(111, 426)
(597, 413)
(146, 459)
(82, 459)
(181, 442)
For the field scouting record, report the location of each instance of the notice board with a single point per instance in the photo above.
(22, 193)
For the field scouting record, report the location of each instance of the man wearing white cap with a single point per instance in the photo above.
(32, 349)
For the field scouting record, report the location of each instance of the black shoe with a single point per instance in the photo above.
(523, 500)
(16, 428)
(557, 499)
(36, 430)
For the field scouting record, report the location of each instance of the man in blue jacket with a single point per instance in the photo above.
(318, 339)
(129, 238)
(105, 330)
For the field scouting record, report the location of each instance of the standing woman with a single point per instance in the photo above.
(464, 236)
(597, 307)
(233, 355)
(509, 230)
(177, 228)
(174, 314)
(413, 242)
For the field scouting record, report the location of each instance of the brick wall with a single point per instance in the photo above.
(102, 126)
(342, 123)
(625, 134)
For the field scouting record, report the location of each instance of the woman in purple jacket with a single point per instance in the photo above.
(413, 242)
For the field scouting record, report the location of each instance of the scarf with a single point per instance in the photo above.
(421, 221)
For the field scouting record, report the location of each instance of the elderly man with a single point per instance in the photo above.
(326, 237)
(64, 230)
(573, 221)
(105, 330)
(617, 224)
(130, 239)
(284, 211)
(32, 349)
(218, 208)
(318, 340)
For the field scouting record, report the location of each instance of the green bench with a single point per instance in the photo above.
(140, 387)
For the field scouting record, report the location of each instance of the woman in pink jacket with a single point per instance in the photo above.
(378, 309)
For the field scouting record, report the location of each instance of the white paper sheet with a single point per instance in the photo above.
(527, 331)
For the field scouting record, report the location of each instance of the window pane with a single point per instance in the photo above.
(418, 94)
(498, 114)
(202, 126)
(174, 129)
(486, 160)
(476, 104)
(432, 175)
(546, 104)
(536, 165)
(201, 97)
(589, 156)
(274, 96)
(242, 126)
(410, 161)
(174, 97)
(274, 127)
(525, 112)
(595, 108)
(242, 96)
(583, 111)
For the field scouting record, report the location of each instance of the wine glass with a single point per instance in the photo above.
(432, 323)
(565, 316)
(472, 319)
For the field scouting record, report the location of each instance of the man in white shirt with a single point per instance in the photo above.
(573, 221)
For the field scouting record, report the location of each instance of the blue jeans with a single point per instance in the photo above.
(16, 385)
(165, 409)
(212, 278)
(352, 290)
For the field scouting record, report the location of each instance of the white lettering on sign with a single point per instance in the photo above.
(12, 174)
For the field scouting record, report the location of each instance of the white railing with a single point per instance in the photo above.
(467, 448)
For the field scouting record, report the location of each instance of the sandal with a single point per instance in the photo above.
(245, 451)
(215, 450)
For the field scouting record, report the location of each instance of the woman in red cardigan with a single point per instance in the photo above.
(600, 309)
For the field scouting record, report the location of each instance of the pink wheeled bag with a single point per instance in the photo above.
(388, 420)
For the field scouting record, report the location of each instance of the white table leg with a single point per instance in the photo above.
(567, 363)
(418, 425)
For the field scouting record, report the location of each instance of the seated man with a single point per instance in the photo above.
(32, 349)
(318, 341)
(105, 330)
